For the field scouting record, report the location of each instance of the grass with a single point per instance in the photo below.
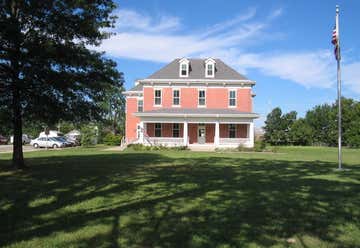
(95, 198)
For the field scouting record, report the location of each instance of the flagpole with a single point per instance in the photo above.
(338, 89)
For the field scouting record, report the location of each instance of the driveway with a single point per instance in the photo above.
(9, 148)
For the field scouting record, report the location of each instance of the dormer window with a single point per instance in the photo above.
(210, 68)
(184, 71)
(184, 68)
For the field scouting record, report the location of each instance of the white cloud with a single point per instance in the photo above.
(310, 69)
(144, 37)
(129, 20)
(219, 27)
(351, 76)
(276, 13)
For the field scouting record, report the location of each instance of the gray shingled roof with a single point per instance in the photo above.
(196, 111)
(138, 87)
(197, 71)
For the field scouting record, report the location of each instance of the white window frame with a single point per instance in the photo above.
(157, 129)
(185, 62)
(142, 106)
(198, 100)
(176, 105)
(229, 97)
(157, 105)
(210, 62)
(207, 70)
(178, 129)
(234, 131)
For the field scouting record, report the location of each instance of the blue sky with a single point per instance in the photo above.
(285, 46)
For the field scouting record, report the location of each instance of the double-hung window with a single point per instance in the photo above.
(232, 98)
(202, 98)
(157, 97)
(140, 105)
(176, 97)
(184, 70)
(210, 70)
(232, 131)
(157, 129)
(176, 130)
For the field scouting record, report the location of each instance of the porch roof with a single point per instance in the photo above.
(196, 112)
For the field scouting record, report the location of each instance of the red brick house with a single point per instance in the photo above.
(191, 102)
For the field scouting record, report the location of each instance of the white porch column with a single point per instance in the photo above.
(251, 134)
(142, 130)
(217, 134)
(185, 133)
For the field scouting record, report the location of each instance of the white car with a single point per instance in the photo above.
(47, 142)
(25, 139)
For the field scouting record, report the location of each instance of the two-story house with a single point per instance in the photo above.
(192, 102)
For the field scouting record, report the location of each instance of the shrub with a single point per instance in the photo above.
(88, 136)
(141, 147)
(242, 148)
(259, 146)
(111, 139)
(275, 149)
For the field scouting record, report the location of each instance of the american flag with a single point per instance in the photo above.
(335, 41)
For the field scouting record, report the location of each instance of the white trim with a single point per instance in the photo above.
(172, 97)
(132, 93)
(134, 97)
(185, 133)
(172, 130)
(229, 130)
(217, 133)
(198, 128)
(161, 97)
(212, 120)
(137, 104)
(211, 62)
(241, 115)
(196, 87)
(185, 62)
(198, 80)
(229, 90)
(198, 98)
(161, 130)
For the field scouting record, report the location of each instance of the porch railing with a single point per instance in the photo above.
(166, 141)
(233, 140)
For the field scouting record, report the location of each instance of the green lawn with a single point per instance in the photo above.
(95, 198)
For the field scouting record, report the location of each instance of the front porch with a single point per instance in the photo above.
(193, 134)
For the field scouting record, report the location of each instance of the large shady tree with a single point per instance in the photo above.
(47, 71)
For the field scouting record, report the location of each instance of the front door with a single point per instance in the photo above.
(201, 134)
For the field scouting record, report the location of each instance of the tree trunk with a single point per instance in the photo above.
(18, 158)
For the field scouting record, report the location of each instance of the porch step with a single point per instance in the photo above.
(201, 148)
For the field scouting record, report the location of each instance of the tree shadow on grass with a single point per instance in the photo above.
(152, 200)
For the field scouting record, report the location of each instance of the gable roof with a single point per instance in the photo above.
(197, 71)
(138, 87)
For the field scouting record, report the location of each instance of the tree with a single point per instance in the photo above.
(114, 109)
(277, 127)
(350, 122)
(272, 127)
(301, 133)
(47, 71)
(287, 121)
(323, 121)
